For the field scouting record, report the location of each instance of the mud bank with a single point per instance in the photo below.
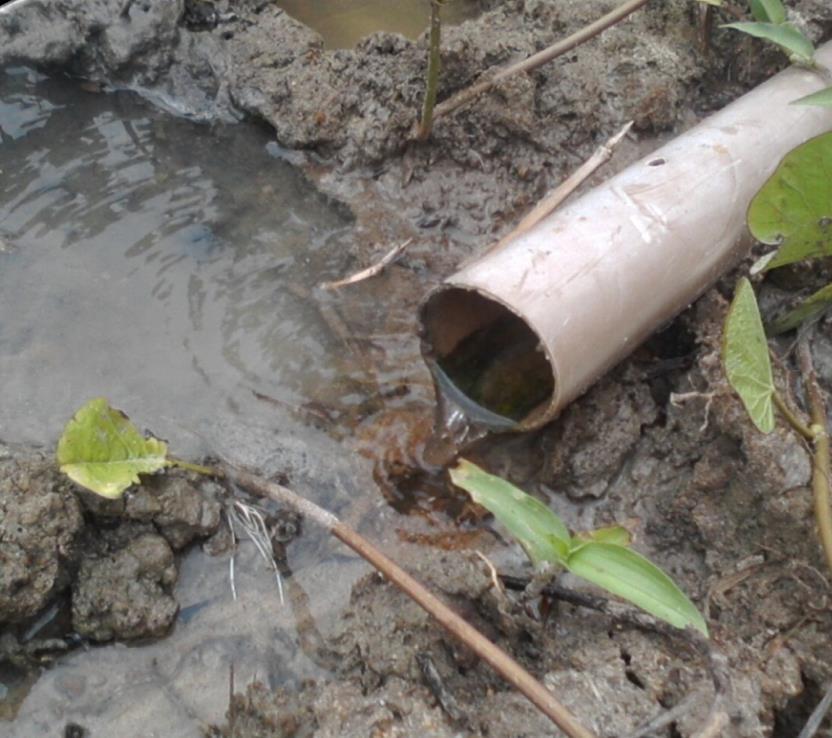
(724, 510)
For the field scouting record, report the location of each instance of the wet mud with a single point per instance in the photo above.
(660, 442)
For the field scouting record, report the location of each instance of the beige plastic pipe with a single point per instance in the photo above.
(587, 284)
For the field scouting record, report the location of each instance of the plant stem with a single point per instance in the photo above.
(208, 471)
(791, 417)
(820, 466)
(541, 57)
(502, 663)
(434, 63)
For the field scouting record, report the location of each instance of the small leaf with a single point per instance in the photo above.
(540, 532)
(103, 451)
(799, 48)
(768, 11)
(793, 209)
(715, 3)
(745, 356)
(629, 575)
(822, 99)
(616, 535)
(811, 307)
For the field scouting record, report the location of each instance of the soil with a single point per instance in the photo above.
(661, 441)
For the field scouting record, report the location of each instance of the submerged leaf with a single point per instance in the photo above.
(822, 99)
(629, 575)
(811, 307)
(789, 38)
(103, 451)
(793, 209)
(768, 11)
(745, 356)
(540, 532)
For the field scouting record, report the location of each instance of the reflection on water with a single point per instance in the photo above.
(343, 23)
(152, 260)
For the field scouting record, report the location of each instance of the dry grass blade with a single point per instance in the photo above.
(550, 202)
(370, 271)
(817, 716)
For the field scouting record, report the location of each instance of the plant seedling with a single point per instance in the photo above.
(771, 25)
(602, 556)
(792, 210)
(434, 65)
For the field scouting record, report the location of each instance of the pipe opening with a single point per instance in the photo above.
(485, 359)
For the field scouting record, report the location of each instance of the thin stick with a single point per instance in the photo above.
(668, 716)
(600, 156)
(370, 271)
(820, 458)
(540, 58)
(502, 663)
(817, 716)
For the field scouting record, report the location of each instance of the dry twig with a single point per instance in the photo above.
(500, 661)
(370, 271)
(600, 156)
(540, 58)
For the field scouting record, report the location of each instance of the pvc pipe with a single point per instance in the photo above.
(527, 327)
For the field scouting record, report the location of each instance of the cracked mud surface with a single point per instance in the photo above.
(660, 441)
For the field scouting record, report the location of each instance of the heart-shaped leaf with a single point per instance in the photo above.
(798, 48)
(103, 451)
(540, 532)
(629, 575)
(793, 209)
(745, 357)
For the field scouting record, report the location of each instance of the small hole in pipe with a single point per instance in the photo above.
(656, 162)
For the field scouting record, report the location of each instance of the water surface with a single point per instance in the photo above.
(343, 23)
(164, 264)
(172, 267)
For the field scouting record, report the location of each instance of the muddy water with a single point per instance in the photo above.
(343, 23)
(163, 264)
(172, 268)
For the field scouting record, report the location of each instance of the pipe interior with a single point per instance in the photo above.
(490, 354)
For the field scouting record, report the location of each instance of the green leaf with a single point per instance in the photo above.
(799, 48)
(103, 451)
(629, 575)
(745, 356)
(540, 532)
(793, 209)
(617, 535)
(822, 99)
(811, 307)
(715, 3)
(768, 11)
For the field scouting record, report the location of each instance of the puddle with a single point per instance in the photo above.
(169, 266)
(343, 23)
(161, 263)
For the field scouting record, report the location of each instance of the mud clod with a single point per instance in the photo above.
(123, 591)
(40, 534)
